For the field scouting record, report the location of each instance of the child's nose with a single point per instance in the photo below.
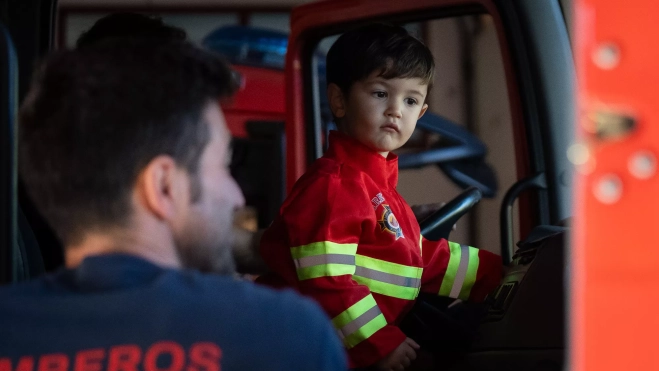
(394, 110)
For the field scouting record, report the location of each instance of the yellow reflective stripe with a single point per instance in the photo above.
(393, 279)
(323, 247)
(452, 269)
(365, 331)
(354, 311)
(359, 322)
(472, 271)
(388, 267)
(324, 270)
(388, 289)
(323, 259)
(387, 278)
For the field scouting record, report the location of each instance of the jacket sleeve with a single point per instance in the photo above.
(459, 271)
(323, 223)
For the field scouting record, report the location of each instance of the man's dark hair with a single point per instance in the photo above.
(130, 26)
(95, 117)
(389, 49)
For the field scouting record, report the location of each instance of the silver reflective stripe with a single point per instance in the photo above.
(461, 274)
(359, 322)
(310, 261)
(388, 277)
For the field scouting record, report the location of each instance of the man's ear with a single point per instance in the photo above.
(163, 187)
(336, 100)
(423, 110)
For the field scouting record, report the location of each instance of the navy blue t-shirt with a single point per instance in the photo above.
(122, 313)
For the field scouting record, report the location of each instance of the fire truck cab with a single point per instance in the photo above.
(503, 119)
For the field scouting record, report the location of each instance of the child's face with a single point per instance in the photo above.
(380, 113)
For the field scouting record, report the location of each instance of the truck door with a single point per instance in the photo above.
(616, 211)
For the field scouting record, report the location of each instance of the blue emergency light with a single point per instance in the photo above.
(249, 46)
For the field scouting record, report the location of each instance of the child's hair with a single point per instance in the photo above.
(390, 49)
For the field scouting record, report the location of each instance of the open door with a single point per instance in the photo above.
(518, 104)
(615, 239)
(8, 95)
(25, 36)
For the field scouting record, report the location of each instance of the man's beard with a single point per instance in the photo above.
(207, 251)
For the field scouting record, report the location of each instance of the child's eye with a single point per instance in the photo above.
(379, 94)
(411, 101)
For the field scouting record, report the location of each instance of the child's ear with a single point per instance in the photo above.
(336, 100)
(423, 110)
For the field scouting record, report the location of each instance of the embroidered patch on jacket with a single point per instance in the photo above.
(377, 201)
(389, 222)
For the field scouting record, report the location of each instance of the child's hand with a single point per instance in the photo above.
(400, 358)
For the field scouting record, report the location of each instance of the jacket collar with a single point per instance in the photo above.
(348, 150)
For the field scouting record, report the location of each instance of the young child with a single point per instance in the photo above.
(344, 236)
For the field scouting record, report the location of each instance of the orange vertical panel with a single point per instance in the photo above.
(615, 257)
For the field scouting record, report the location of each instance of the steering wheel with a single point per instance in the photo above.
(440, 223)
(437, 322)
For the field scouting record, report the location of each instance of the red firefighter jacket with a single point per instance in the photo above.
(345, 237)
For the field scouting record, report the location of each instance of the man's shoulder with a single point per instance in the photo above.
(36, 286)
(20, 289)
(235, 292)
(176, 293)
(282, 313)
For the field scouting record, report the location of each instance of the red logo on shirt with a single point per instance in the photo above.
(160, 356)
(389, 222)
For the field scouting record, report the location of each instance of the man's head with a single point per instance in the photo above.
(378, 79)
(120, 132)
(129, 26)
